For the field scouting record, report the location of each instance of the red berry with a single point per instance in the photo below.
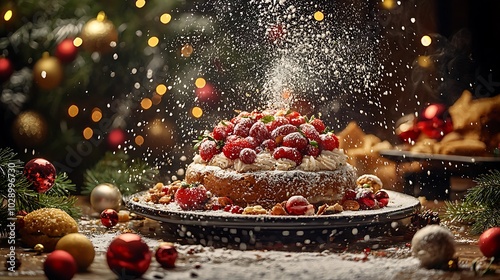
(191, 197)
(248, 156)
(219, 133)
(310, 132)
(312, 151)
(350, 195)
(242, 128)
(489, 242)
(259, 131)
(295, 140)
(254, 143)
(282, 131)
(318, 124)
(382, 198)
(366, 199)
(228, 126)
(292, 115)
(288, 153)
(232, 149)
(295, 118)
(235, 209)
(277, 122)
(329, 142)
(208, 149)
(298, 205)
(269, 145)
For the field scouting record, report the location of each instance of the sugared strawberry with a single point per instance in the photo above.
(281, 131)
(248, 155)
(235, 209)
(382, 197)
(295, 118)
(242, 127)
(268, 145)
(329, 142)
(259, 131)
(310, 132)
(252, 141)
(208, 149)
(233, 148)
(312, 150)
(288, 153)
(298, 205)
(318, 124)
(349, 195)
(219, 133)
(191, 196)
(295, 140)
(276, 122)
(366, 199)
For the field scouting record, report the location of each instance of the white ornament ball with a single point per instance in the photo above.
(105, 196)
(433, 245)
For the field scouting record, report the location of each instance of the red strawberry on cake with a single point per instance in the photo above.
(262, 158)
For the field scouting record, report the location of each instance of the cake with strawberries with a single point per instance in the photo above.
(263, 158)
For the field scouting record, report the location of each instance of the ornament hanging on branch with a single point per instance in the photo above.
(48, 72)
(29, 129)
(99, 35)
(66, 51)
(6, 69)
(41, 173)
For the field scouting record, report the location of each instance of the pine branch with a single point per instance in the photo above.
(480, 207)
(116, 168)
(67, 204)
(62, 186)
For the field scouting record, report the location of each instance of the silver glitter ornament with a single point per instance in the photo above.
(105, 196)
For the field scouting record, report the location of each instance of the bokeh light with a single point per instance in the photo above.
(197, 112)
(77, 42)
(319, 16)
(8, 15)
(153, 41)
(139, 140)
(161, 89)
(73, 111)
(165, 18)
(96, 115)
(88, 133)
(140, 3)
(187, 50)
(146, 103)
(200, 82)
(424, 61)
(388, 4)
(426, 40)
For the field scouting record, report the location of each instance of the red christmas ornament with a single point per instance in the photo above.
(489, 242)
(66, 51)
(435, 122)
(6, 69)
(59, 265)
(41, 173)
(128, 256)
(207, 94)
(166, 255)
(406, 129)
(116, 137)
(109, 218)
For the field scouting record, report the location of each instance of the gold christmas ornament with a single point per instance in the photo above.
(48, 72)
(99, 35)
(80, 247)
(39, 248)
(105, 196)
(29, 129)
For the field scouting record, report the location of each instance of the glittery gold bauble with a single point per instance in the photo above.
(99, 35)
(29, 129)
(48, 72)
(105, 196)
(80, 247)
(160, 134)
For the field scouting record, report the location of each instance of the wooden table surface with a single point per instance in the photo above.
(214, 262)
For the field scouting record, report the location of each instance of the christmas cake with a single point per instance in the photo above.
(264, 158)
